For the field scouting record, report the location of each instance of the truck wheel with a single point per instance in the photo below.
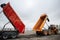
(49, 32)
(5, 37)
(14, 36)
(56, 31)
(37, 32)
(45, 33)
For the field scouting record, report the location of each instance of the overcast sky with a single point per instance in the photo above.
(30, 10)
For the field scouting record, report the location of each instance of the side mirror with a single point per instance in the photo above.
(48, 19)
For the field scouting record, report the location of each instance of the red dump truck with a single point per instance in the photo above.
(14, 20)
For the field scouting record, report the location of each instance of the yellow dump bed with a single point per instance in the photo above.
(40, 23)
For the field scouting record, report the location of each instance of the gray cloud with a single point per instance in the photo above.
(30, 15)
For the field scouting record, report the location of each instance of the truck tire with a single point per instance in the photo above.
(45, 33)
(5, 37)
(49, 32)
(14, 36)
(37, 33)
(56, 31)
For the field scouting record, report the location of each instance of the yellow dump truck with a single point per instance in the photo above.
(40, 24)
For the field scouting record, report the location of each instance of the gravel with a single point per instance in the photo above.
(30, 35)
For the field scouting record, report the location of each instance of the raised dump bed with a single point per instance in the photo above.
(40, 23)
(13, 18)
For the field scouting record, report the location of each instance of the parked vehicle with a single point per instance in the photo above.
(14, 20)
(52, 29)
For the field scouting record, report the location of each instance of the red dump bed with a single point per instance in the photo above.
(13, 18)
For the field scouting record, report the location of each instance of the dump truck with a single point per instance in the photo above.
(14, 20)
(38, 27)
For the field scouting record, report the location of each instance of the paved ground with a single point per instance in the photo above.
(32, 36)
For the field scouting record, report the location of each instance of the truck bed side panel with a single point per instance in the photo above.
(13, 18)
(40, 23)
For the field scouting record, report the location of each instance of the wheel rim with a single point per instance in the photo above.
(4, 37)
(13, 36)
